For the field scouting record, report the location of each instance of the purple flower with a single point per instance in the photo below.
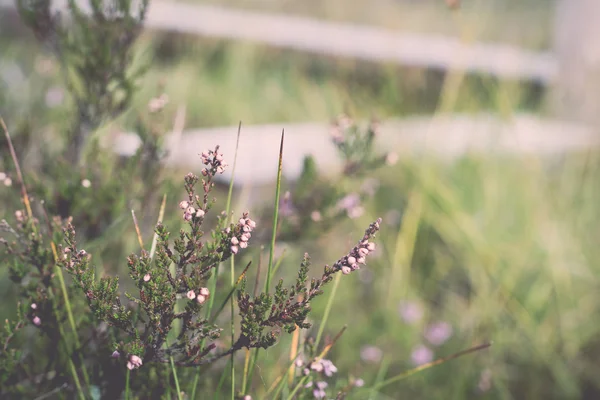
(438, 333)
(370, 186)
(319, 391)
(325, 366)
(421, 355)
(351, 204)
(411, 312)
(371, 354)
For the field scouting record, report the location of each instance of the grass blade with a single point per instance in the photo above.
(423, 367)
(275, 215)
(336, 282)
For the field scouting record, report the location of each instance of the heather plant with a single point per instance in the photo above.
(165, 276)
(144, 332)
(318, 201)
(95, 52)
(92, 47)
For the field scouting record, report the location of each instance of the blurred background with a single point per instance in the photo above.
(490, 206)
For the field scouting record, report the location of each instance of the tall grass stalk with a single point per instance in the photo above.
(275, 215)
(232, 308)
(383, 367)
(423, 367)
(405, 246)
(273, 239)
(336, 282)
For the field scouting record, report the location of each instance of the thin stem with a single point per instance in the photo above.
(175, 378)
(230, 192)
(336, 282)
(275, 215)
(221, 381)
(423, 367)
(127, 384)
(232, 328)
(246, 367)
(161, 214)
(379, 378)
(273, 238)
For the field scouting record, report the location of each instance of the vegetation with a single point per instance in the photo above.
(211, 301)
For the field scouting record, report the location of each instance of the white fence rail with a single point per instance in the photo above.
(346, 40)
(444, 136)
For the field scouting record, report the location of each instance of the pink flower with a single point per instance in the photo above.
(190, 295)
(438, 333)
(234, 241)
(319, 391)
(316, 216)
(204, 292)
(200, 213)
(234, 249)
(421, 355)
(146, 277)
(37, 321)
(371, 354)
(115, 354)
(391, 158)
(200, 299)
(411, 312)
(134, 362)
(346, 270)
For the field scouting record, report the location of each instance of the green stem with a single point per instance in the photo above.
(273, 238)
(175, 378)
(63, 288)
(336, 282)
(127, 384)
(275, 215)
(232, 328)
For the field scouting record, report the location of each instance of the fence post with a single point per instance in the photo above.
(576, 94)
